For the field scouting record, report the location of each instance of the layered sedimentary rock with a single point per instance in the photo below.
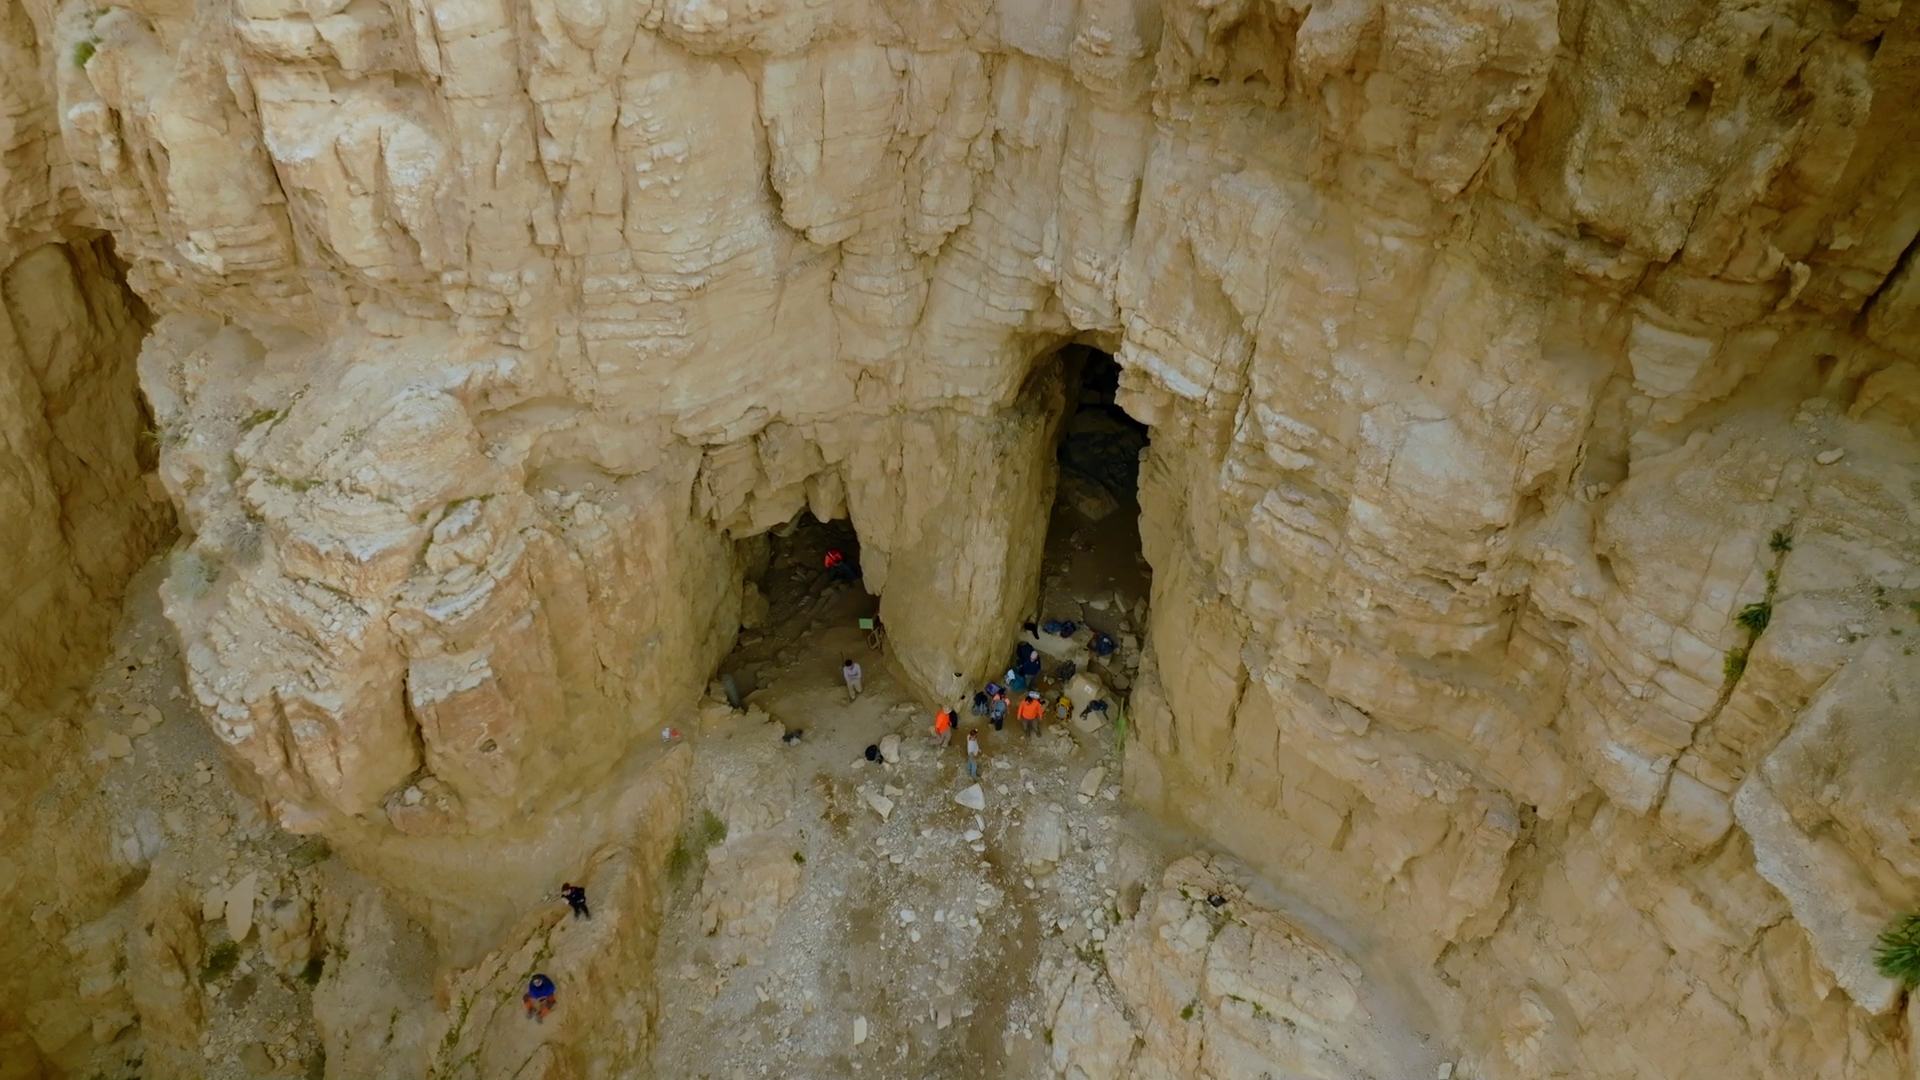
(76, 520)
(1499, 356)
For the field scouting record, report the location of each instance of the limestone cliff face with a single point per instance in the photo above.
(76, 520)
(1498, 355)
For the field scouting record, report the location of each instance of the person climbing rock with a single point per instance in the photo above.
(1031, 710)
(973, 753)
(997, 709)
(850, 671)
(943, 726)
(576, 898)
(539, 998)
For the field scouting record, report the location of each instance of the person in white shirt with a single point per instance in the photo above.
(850, 671)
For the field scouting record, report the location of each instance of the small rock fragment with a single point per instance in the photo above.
(972, 798)
(1828, 457)
(240, 900)
(1090, 783)
(890, 749)
(859, 1030)
(255, 1059)
(118, 745)
(880, 803)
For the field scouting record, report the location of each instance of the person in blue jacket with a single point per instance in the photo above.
(539, 997)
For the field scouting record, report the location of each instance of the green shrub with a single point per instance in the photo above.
(221, 959)
(311, 973)
(1755, 617)
(1780, 542)
(712, 829)
(1897, 953)
(691, 846)
(679, 861)
(1735, 664)
(83, 52)
(1187, 1013)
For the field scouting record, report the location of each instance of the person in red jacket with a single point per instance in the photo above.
(839, 567)
(943, 722)
(1031, 710)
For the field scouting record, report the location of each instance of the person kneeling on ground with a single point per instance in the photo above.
(1095, 706)
(1031, 710)
(838, 568)
(539, 998)
(943, 726)
(576, 898)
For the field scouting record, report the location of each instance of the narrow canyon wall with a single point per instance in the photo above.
(1499, 355)
(76, 520)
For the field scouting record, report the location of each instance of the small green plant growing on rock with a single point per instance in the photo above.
(1755, 617)
(84, 50)
(221, 959)
(1735, 664)
(1780, 542)
(1897, 953)
(693, 844)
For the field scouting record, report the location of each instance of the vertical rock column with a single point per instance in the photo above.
(959, 506)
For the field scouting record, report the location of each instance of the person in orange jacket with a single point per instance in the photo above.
(943, 722)
(1031, 710)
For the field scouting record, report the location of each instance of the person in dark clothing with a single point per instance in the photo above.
(576, 898)
(1095, 706)
(539, 998)
(1029, 669)
(997, 709)
(1023, 652)
(980, 703)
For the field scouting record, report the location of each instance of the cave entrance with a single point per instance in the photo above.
(794, 604)
(1093, 573)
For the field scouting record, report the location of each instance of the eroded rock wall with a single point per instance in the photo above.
(1499, 354)
(76, 520)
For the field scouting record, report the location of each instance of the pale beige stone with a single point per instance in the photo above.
(1485, 346)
